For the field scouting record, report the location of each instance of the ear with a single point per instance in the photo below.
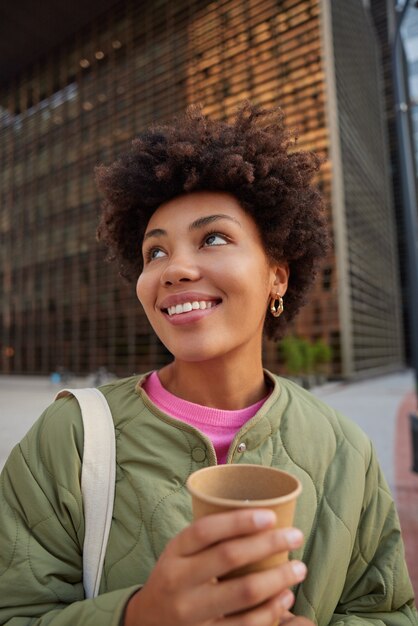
(280, 278)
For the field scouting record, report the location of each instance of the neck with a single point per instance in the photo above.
(222, 385)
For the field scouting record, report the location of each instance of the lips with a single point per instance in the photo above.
(186, 307)
(181, 303)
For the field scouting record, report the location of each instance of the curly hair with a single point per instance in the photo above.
(251, 158)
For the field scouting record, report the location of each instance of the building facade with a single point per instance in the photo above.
(385, 17)
(80, 104)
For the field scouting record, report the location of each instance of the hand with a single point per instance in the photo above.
(183, 588)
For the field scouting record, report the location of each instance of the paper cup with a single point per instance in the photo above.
(223, 488)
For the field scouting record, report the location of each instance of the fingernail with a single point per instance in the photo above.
(287, 599)
(299, 569)
(294, 537)
(264, 518)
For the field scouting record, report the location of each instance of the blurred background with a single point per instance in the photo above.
(78, 80)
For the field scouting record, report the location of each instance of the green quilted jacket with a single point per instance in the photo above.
(353, 548)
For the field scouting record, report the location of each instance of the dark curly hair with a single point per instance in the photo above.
(249, 158)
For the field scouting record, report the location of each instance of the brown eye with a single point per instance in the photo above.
(215, 239)
(154, 253)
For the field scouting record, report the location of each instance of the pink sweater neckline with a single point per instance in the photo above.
(219, 425)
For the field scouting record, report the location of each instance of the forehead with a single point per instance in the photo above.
(184, 210)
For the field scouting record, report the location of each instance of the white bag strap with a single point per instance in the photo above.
(97, 481)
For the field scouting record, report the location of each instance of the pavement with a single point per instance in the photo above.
(381, 406)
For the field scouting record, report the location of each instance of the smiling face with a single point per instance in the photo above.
(207, 281)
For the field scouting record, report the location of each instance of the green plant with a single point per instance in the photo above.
(302, 357)
(307, 352)
(291, 355)
(322, 355)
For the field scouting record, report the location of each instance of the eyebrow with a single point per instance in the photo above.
(199, 223)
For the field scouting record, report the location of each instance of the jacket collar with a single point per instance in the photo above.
(264, 423)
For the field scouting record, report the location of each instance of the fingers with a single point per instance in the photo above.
(271, 612)
(214, 528)
(221, 543)
(241, 594)
(227, 556)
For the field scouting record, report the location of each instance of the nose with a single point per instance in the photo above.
(180, 268)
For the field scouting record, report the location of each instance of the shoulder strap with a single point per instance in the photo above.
(97, 481)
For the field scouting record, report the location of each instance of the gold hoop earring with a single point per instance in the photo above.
(276, 311)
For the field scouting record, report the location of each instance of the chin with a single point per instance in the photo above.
(193, 357)
(196, 354)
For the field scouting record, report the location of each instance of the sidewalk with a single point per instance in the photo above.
(380, 406)
(22, 400)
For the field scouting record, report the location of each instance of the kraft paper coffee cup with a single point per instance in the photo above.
(223, 488)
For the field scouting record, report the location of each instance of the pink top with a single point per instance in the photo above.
(219, 425)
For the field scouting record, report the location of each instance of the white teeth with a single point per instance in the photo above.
(189, 306)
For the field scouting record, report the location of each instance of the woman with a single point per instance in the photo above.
(232, 232)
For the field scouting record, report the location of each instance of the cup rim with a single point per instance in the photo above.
(242, 504)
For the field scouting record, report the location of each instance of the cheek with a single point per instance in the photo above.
(141, 289)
